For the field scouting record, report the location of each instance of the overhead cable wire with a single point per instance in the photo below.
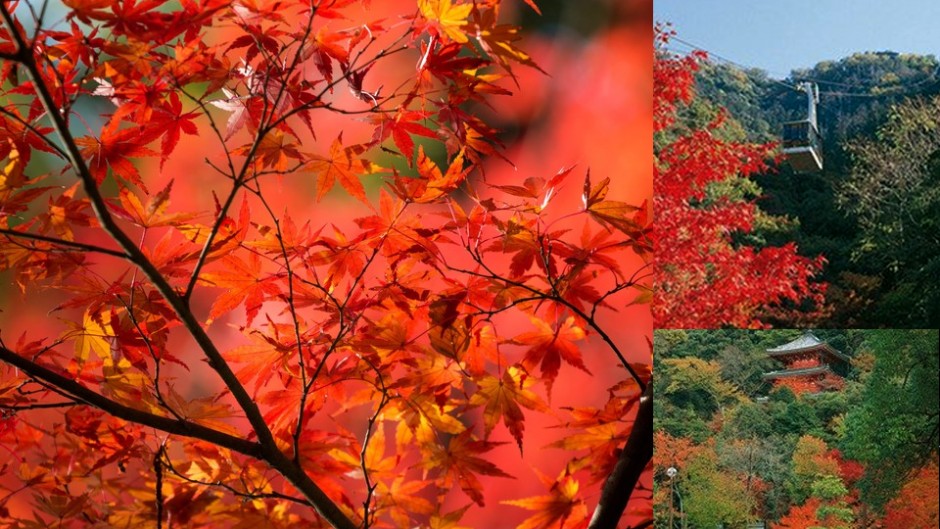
(906, 89)
(742, 67)
(901, 90)
(932, 77)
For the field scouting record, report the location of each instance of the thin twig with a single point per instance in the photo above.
(80, 246)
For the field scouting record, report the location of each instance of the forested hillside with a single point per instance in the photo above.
(872, 212)
(741, 452)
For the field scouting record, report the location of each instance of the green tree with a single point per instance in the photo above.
(828, 488)
(895, 430)
(810, 464)
(795, 418)
(714, 495)
(749, 420)
(835, 511)
(894, 193)
(744, 367)
(697, 383)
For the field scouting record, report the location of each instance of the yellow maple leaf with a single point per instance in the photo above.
(450, 18)
(11, 175)
(95, 335)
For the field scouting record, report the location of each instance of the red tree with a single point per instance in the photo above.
(917, 504)
(275, 361)
(704, 278)
(801, 517)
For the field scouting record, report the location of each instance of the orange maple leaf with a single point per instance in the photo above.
(113, 149)
(460, 464)
(502, 398)
(242, 282)
(65, 212)
(559, 509)
(381, 467)
(483, 346)
(273, 151)
(153, 214)
(602, 442)
(497, 40)
(439, 184)
(432, 184)
(230, 236)
(344, 257)
(93, 336)
(448, 520)
(400, 128)
(295, 241)
(339, 165)
(208, 411)
(626, 218)
(403, 501)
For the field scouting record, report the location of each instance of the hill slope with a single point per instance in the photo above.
(858, 96)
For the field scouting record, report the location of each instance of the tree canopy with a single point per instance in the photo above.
(271, 265)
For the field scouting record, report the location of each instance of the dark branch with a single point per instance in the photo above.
(158, 487)
(91, 398)
(37, 406)
(636, 454)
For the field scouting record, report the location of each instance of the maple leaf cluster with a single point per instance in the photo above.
(380, 362)
(705, 277)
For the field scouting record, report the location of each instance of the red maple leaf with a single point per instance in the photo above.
(243, 282)
(114, 148)
(550, 345)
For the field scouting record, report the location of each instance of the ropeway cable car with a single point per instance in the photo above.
(802, 143)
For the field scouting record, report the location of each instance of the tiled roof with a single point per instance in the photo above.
(808, 341)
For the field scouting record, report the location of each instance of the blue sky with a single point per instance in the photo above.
(781, 35)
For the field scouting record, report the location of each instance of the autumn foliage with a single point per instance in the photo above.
(705, 276)
(917, 505)
(247, 360)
